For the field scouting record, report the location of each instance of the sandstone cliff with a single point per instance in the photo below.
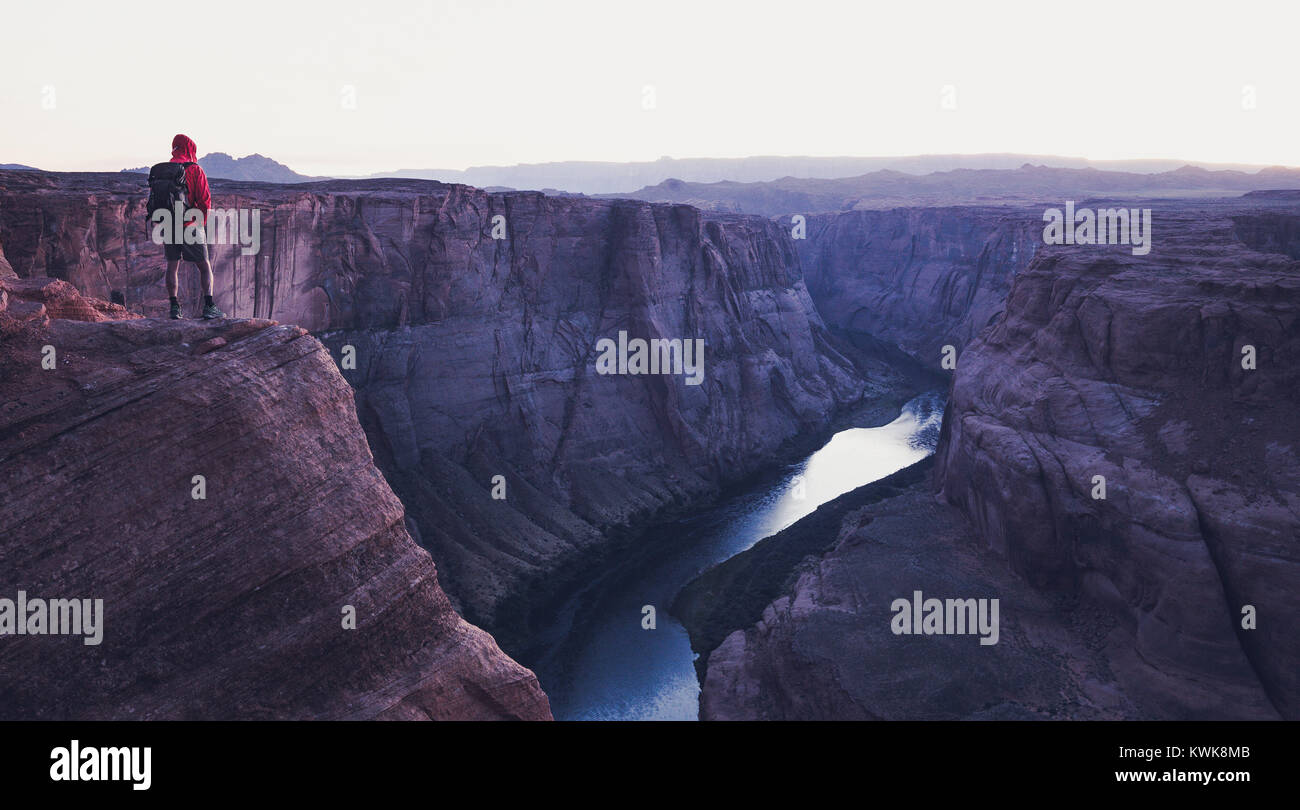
(230, 606)
(6, 271)
(475, 355)
(917, 278)
(1131, 368)
(824, 649)
(1103, 364)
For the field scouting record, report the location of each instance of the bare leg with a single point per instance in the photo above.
(205, 276)
(172, 266)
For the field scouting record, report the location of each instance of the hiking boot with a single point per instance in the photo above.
(210, 312)
(176, 312)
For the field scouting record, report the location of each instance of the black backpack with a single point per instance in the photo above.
(167, 187)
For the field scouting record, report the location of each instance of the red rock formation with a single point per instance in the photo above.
(475, 356)
(6, 270)
(1105, 363)
(1130, 368)
(229, 606)
(60, 300)
(825, 650)
(917, 278)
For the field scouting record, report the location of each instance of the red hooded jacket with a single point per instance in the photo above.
(184, 151)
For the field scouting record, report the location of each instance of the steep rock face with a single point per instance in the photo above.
(917, 278)
(1131, 368)
(504, 382)
(475, 356)
(212, 607)
(825, 649)
(1105, 363)
(6, 270)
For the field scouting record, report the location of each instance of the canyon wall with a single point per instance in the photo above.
(6, 270)
(825, 650)
(475, 356)
(212, 605)
(917, 278)
(473, 363)
(1171, 596)
(1131, 368)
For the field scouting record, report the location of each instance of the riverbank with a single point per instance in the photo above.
(614, 650)
(823, 647)
(524, 624)
(733, 594)
(791, 631)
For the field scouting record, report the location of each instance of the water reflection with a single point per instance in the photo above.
(609, 668)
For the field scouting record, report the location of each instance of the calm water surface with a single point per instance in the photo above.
(604, 666)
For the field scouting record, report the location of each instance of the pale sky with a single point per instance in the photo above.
(444, 84)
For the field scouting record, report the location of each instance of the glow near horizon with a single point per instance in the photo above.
(447, 85)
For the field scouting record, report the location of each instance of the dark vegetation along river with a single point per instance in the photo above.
(603, 665)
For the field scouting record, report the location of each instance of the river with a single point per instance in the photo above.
(605, 666)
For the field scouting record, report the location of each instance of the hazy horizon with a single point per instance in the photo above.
(350, 90)
(1071, 159)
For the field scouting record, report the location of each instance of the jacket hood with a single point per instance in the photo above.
(184, 149)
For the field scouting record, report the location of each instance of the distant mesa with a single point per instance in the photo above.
(624, 179)
(777, 185)
(1029, 183)
(255, 168)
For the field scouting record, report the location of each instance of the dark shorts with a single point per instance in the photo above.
(191, 253)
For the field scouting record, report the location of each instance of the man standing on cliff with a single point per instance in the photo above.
(184, 188)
